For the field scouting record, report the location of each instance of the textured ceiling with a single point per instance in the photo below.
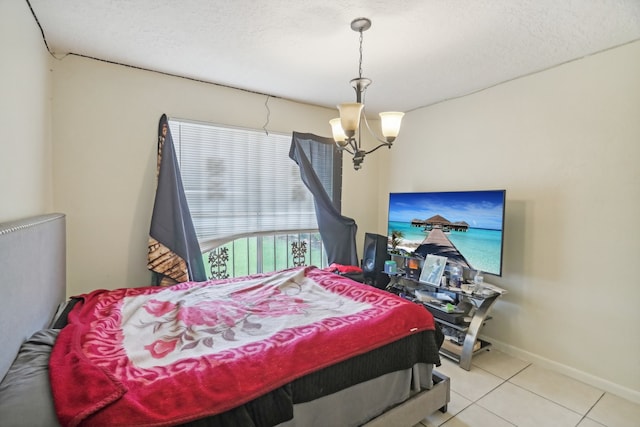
(417, 52)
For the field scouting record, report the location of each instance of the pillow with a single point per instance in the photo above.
(25, 394)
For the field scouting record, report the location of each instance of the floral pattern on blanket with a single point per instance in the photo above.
(220, 319)
(195, 326)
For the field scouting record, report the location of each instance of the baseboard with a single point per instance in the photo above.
(592, 380)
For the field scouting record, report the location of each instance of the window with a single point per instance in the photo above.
(250, 209)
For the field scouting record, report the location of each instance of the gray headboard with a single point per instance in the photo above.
(32, 279)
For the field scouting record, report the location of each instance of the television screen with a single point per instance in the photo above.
(467, 227)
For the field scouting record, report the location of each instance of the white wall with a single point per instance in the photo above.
(565, 144)
(25, 115)
(361, 189)
(105, 130)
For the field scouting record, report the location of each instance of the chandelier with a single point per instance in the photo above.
(344, 129)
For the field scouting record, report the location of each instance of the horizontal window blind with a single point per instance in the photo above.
(241, 182)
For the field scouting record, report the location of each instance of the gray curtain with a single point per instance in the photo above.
(338, 232)
(174, 253)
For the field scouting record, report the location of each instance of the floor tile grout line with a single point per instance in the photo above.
(554, 396)
(520, 371)
(504, 381)
(507, 379)
(591, 408)
(493, 413)
(494, 388)
(550, 400)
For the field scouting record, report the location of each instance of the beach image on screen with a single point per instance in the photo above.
(467, 227)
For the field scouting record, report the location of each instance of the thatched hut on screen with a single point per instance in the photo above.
(436, 221)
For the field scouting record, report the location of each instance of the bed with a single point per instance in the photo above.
(384, 380)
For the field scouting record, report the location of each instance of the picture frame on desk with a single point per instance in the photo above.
(433, 269)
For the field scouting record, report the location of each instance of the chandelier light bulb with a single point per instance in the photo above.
(390, 122)
(338, 134)
(350, 117)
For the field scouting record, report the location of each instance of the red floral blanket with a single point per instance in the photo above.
(163, 356)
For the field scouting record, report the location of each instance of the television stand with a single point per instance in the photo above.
(463, 327)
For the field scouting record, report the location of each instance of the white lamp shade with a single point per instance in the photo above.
(390, 122)
(338, 133)
(350, 117)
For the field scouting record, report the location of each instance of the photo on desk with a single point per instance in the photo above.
(433, 269)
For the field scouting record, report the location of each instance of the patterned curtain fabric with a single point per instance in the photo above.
(338, 232)
(174, 253)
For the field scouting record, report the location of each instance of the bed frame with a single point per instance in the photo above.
(33, 285)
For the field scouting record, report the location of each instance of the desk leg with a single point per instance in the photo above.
(474, 329)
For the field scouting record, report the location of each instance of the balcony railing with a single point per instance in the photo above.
(265, 253)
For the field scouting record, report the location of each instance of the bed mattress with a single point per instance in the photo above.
(250, 347)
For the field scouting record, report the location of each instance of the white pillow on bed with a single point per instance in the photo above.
(25, 394)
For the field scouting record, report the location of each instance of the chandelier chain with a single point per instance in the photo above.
(360, 63)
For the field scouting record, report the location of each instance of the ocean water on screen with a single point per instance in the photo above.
(481, 247)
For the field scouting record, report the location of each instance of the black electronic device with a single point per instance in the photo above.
(456, 318)
(375, 254)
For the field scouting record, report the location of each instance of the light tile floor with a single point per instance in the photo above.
(501, 390)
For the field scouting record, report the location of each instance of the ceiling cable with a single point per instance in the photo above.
(266, 104)
(44, 39)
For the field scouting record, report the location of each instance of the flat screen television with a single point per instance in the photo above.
(467, 227)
